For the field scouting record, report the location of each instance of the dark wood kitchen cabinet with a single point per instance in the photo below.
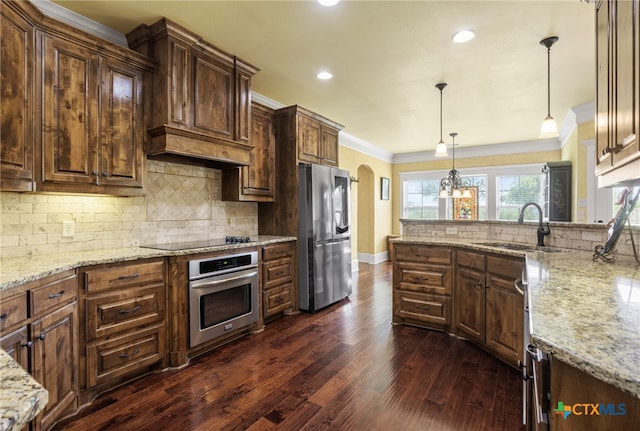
(617, 97)
(257, 181)
(202, 95)
(487, 308)
(123, 307)
(73, 108)
(314, 137)
(422, 279)
(278, 290)
(40, 331)
(17, 100)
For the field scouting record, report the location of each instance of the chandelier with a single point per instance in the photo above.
(453, 185)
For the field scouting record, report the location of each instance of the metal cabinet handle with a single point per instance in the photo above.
(56, 295)
(517, 283)
(279, 300)
(422, 307)
(479, 283)
(124, 277)
(42, 336)
(629, 139)
(130, 310)
(126, 355)
(28, 344)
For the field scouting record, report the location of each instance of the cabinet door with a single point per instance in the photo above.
(243, 107)
(122, 124)
(504, 308)
(55, 362)
(16, 102)
(70, 107)
(604, 93)
(258, 179)
(213, 96)
(17, 345)
(469, 304)
(308, 140)
(329, 146)
(627, 143)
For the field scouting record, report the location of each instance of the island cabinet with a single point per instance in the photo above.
(278, 291)
(617, 97)
(257, 181)
(39, 329)
(422, 280)
(487, 306)
(124, 335)
(202, 95)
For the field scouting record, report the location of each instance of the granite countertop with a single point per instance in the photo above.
(21, 397)
(19, 270)
(585, 313)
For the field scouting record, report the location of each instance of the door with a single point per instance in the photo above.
(340, 203)
(341, 269)
(321, 203)
(469, 305)
(323, 270)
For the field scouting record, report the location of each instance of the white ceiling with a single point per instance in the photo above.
(387, 57)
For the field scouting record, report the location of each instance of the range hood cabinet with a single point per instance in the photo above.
(201, 105)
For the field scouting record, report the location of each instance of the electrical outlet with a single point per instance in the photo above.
(452, 230)
(68, 228)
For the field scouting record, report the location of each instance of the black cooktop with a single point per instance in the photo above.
(188, 245)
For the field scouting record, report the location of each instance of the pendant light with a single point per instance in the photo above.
(441, 149)
(549, 127)
(452, 185)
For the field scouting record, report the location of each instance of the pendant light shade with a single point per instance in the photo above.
(549, 127)
(441, 149)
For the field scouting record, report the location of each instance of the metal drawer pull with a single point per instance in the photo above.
(56, 295)
(42, 336)
(517, 283)
(131, 310)
(422, 307)
(3, 316)
(124, 277)
(28, 344)
(126, 355)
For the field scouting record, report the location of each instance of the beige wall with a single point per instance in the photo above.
(378, 224)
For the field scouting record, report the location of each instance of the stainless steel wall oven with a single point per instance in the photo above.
(223, 295)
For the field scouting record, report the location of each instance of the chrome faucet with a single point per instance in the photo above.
(542, 232)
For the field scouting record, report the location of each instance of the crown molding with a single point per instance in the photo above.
(74, 19)
(362, 146)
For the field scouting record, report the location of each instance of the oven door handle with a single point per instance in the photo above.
(216, 281)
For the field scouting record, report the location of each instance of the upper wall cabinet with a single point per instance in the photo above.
(16, 100)
(618, 91)
(255, 182)
(87, 133)
(202, 95)
(314, 137)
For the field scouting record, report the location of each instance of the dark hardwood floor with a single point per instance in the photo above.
(343, 368)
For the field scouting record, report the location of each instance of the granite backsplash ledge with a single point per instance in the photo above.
(565, 235)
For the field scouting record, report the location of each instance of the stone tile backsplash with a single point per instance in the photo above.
(182, 202)
(565, 235)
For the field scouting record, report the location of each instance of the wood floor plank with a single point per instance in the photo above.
(342, 368)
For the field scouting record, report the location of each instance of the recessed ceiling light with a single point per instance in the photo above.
(324, 75)
(463, 36)
(328, 2)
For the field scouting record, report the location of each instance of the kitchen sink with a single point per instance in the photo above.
(520, 247)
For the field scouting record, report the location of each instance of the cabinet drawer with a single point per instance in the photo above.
(108, 314)
(13, 311)
(471, 260)
(53, 294)
(124, 275)
(277, 251)
(423, 278)
(509, 268)
(277, 272)
(277, 299)
(423, 254)
(118, 357)
(422, 310)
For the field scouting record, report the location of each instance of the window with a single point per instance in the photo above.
(501, 192)
(513, 191)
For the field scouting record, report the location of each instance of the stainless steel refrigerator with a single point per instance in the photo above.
(324, 238)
